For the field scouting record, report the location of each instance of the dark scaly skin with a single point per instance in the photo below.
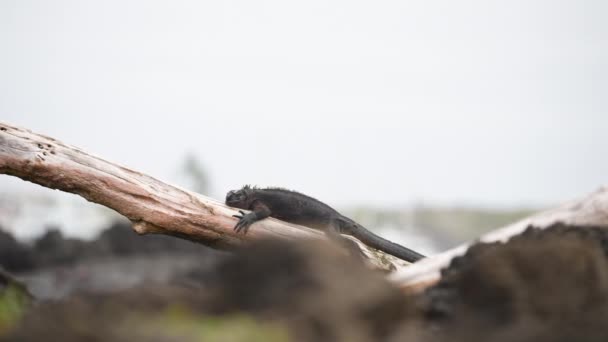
(294, 207)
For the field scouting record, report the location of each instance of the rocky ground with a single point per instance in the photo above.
(54, 266)
(549, 285)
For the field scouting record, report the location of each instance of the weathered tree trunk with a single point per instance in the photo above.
(156, 207)
(589, 211)
(152, 205)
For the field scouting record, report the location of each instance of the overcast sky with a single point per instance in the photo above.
(500, 103)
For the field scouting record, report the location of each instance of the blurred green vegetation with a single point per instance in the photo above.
(14, 301)
(445, 226)
(180, 322)
(464, 224)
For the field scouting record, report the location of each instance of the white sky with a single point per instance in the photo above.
(353, 102)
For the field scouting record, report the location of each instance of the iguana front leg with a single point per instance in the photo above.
(259, 211)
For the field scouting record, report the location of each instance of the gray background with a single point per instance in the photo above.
(492, 103)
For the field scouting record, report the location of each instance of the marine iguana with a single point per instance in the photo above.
(297, 208)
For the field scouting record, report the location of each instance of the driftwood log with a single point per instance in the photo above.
(150, 204)
(591, 210)
(157, 207)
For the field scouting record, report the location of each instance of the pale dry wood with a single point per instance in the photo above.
(156, 207)
(152, 205)
(589, 211)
